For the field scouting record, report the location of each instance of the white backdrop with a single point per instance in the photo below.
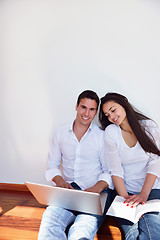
(50, 51)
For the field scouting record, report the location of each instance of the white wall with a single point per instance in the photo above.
(50, 51)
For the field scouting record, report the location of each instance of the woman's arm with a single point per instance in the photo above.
(120, 186)
(148, 184)
(134, 200)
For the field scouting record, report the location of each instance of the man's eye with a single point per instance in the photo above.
(113, 110)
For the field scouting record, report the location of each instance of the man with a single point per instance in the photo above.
(80, 148)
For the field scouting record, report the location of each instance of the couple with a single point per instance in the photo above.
(125, 152)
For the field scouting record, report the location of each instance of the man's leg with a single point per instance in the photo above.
(54, 223)
(86, 226)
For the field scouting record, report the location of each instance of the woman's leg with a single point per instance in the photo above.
(130, 229)
(149, 224)
(148, 227)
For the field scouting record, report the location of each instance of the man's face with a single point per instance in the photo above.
(86, 111)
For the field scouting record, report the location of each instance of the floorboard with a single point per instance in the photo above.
(20, 217)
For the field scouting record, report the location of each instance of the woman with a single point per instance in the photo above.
(132, 143)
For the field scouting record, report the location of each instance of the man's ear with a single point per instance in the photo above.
(76, 106)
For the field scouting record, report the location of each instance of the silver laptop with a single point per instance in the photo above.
(71, 199)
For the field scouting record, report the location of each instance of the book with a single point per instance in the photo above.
(119, 209)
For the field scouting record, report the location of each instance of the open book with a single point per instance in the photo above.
(119, 209)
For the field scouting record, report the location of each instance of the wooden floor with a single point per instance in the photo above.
(20, 217)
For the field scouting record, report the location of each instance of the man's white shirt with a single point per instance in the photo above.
(82, 161)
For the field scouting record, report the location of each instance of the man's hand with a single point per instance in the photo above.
(93, 189)
(98, 187)
(59, 181)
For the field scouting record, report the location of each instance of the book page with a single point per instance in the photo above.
(119, 209)
(149, 206)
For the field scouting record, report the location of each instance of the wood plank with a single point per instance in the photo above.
(14, 222)
(7, 233)
(13, 186)
(20, 217)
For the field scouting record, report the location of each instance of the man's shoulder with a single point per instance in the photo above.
(96, 135)
(64, 126)
(95, 128)
(63, 129)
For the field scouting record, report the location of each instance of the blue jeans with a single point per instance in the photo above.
(55, 220)
(147, 228)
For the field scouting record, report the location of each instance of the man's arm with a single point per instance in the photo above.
(54, 158)
(98, 187)
(59, 181)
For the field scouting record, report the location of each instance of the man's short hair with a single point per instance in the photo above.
(88, 94)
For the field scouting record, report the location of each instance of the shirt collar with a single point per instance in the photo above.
(71, 127)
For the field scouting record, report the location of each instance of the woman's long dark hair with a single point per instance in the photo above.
(133, 116)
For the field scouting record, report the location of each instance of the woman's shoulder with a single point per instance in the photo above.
(112, 129)
(149, 123)
(112, 133)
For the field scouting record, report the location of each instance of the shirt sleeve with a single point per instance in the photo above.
(111, 153)
(105, 175)
(153, 165)
(54, 159)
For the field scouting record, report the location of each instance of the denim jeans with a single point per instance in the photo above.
(55, 220)
(147, 228)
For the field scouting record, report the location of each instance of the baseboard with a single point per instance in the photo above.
(13, 186)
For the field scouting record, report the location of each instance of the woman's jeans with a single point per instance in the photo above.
(148, 227)
(55, 220)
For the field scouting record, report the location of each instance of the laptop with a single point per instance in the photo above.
(71, 199)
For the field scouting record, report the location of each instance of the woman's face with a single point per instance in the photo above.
(114, 112)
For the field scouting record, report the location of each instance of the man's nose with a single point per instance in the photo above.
(87, 112)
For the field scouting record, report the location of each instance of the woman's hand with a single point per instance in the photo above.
(141, 198)
(135, 200)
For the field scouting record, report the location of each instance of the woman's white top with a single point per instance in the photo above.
(131, 163)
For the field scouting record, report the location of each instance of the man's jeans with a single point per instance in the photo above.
(84, 226)
(147, 228)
